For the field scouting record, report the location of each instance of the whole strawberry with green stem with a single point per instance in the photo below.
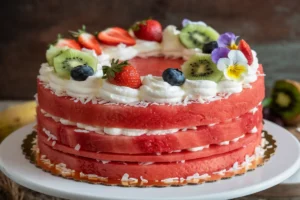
(87, 40)
(149, 29)
(122, 74)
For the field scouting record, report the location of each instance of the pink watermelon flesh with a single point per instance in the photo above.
(155, 65)
(153, 143)
(153, 116)
(168, 157)
(156, 171)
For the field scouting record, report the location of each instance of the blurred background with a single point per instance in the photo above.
(271, 27)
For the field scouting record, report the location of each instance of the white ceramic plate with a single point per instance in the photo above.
(282, 165)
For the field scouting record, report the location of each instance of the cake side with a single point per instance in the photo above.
(162, 108)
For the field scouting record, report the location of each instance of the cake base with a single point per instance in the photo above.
(32, 153)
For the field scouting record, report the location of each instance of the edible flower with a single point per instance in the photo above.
(228, 40)
(186, 22)
(220, 52)
(235, 66)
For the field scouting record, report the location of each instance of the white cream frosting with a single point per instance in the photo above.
(154, 89)
(117, 94)
(84, 128)
(200, 88)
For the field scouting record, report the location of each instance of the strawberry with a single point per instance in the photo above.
(245, 48)
(150, 30)
(115, 36)
(87, 40)
(65, 42)
(122, 74)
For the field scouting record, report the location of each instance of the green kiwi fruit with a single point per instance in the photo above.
(286, 100)
(201, 67)
(195, 35)
(70, 58)
(53, 52)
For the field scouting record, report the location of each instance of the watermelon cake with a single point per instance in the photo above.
(151, 106)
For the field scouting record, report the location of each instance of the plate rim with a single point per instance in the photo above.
(236, 193)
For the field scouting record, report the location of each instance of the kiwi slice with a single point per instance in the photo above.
(201, 67)
(53, 52)
(195, 36)
(70, 58)
(286, 99)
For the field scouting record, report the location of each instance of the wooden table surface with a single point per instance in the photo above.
(280, 192)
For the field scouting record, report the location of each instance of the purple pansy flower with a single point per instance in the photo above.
(221, 52)
(227, 40)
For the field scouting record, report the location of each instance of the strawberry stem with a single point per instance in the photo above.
(79, 32)
(109, 72)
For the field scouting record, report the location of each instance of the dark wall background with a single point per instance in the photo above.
(272, 27)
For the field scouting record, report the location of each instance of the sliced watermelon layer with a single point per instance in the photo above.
(156, 171)
(155, 65)
(168, 157)
(153, 116)
(204, 135)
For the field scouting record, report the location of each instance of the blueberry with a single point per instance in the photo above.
(173, 76)
(81, 72)
(209, 47)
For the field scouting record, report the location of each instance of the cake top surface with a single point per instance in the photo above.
(150, 65)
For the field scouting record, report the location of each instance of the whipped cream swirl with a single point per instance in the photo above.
(155, 89)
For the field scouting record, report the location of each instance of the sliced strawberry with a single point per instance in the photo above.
(65, 42)
(245, 48)
(115, 36)
(150, 30)
(87, 40)
(122, 74)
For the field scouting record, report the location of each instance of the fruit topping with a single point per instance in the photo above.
(195, 35)
(115, 36)
(173, 76)
(122, 74)
(81, 72)
(70, 58)
(87, 40)
(201, 67)
(286, 100)
(228, 40)
(150, 30)
(53, 52)
(209, 47)
(65, 42)
(245, 48)
(234, 67)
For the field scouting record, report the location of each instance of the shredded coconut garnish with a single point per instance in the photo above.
(47, 132)
(170, 180)
(105, 161)
(253, 110)
(81, 131)
(146, 163)
(198, 148)
(224, 143)
(221, 172)
(53, 143)
(254, 130)
(77, 147)
(197, 177)
(143, 180)
(238, 138)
